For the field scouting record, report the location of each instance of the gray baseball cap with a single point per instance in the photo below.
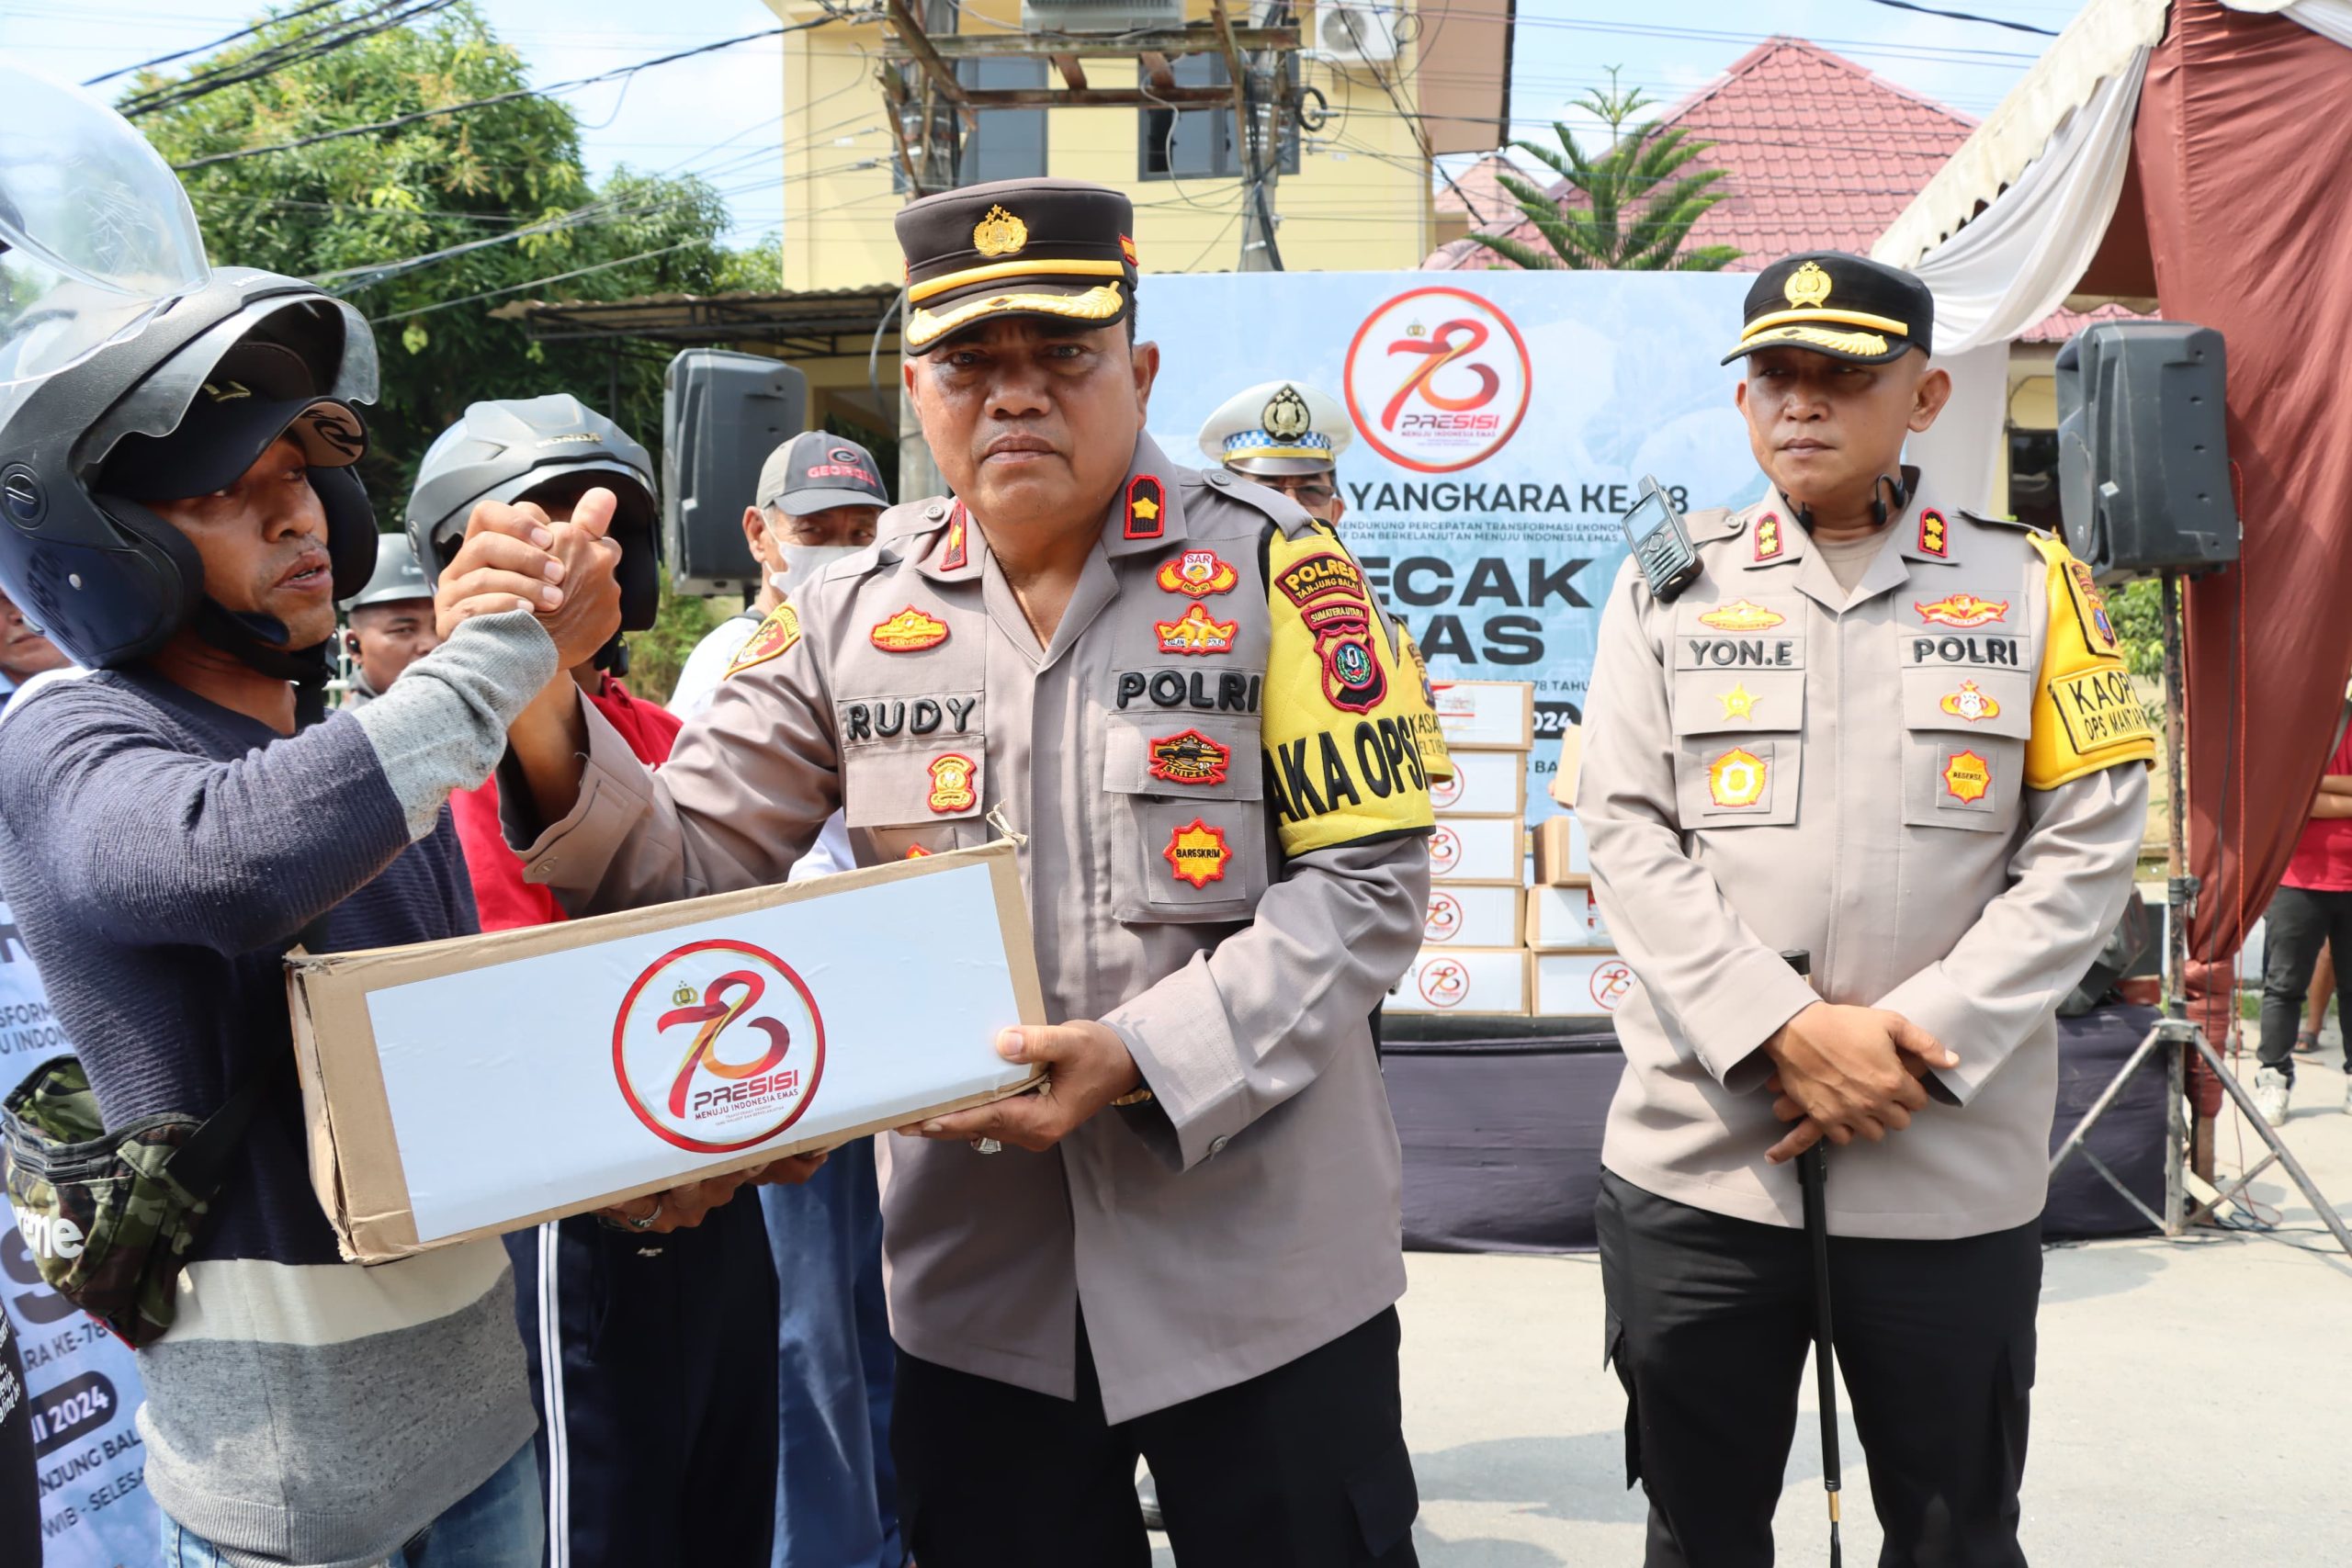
(817, 470)
(397, 575)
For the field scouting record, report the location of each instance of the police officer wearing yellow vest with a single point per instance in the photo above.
(1900, 738)
(1176, 688)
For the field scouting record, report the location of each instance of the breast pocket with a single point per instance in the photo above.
(1738, 746)
(1963, 746)
(1188, 831)
(918, 793)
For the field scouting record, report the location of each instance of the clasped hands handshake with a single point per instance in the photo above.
(1844, 1072)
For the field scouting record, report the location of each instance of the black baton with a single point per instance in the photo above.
(1812, 1181)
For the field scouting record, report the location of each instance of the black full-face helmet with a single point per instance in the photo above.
(181, 406)
(551, 450)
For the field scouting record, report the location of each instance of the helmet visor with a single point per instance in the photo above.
(95, 233)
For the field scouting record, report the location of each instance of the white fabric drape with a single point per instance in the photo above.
(2331, 19)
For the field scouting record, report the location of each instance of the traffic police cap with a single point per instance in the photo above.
(1042, 247)
(1276, 428)
(1847, 307)
(818, 471)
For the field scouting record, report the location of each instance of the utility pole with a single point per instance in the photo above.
(929, 96)
(1258, 110)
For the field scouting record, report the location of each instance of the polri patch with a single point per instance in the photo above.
(951, 783)
(1196, 853)
(772, 639)
(1196, 631)
(1198, 573)
(1146, 503)
(1189, 758)
(909, 631)
(2090, 608)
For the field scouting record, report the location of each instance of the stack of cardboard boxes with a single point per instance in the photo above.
(1574, 969)
(1472, 958)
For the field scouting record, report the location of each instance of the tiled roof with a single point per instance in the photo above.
(1477, 191)
(1820, 154)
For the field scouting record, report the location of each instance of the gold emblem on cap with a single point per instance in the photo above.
(999, 233)
(1808, 286)
(1286, 414)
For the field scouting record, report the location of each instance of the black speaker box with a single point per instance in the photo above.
(2143, 459)
(722, 413)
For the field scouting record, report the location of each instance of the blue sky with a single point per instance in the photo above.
(719, 114)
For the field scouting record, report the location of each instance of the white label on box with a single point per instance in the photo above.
(1471, 917)
(1571, 985)
(1465, 979)
(1565, 917)
(1483, 713)
(1485, 783)
(1476, 848)
(516, 1088)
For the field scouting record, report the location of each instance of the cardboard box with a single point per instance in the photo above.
(1491, 850)
(1562, 786)
(1465, 980)
(1580, 985)
(1471, 917)
(1562, 859)
(1565, 918)
(1485, 783)
(468, 1088)
(1486, 716)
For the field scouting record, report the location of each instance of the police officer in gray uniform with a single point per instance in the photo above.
(1900, 738)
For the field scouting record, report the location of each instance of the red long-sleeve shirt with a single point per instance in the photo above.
(505, 900)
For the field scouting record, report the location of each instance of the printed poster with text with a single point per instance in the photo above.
(81, 1383)
(1503, 423)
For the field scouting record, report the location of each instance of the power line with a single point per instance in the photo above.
(216, 43)
(319, 41)
(398, 121)
(1968, 16)
(534, 283)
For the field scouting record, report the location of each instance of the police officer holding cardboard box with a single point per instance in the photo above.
(1899, 738)
(1176, 688)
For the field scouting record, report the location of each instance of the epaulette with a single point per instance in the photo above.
(1286, 514)
(912, 517)
(1710, 524)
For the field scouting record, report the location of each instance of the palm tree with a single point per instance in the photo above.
(1638, 203)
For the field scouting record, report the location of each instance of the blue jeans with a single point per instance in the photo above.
(837, 1495)
(497, 1525)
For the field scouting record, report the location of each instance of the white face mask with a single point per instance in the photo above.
(803, 562)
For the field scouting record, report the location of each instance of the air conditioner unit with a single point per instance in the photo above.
(1354, 35)
(1101, 15)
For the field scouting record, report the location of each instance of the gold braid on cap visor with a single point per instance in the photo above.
(1869, 343)
(1101, 303)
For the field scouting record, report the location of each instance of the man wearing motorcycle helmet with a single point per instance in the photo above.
(666, 1450)
(184, 514)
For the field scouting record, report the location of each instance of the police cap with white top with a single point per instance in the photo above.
(1278, 427)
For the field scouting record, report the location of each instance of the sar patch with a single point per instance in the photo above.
(951, 784)
(1196, 631)
(1967, 777)
(1934, 534)
(1768, 543)
(1196, 853)
(909, 631)
(1969, 703)
(772, 639)
(1145, 503)
(1198, 573)
(1742, 615)
(1962, 610)
(1189, 758)
(1737, 779)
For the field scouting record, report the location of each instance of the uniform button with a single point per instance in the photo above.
(1218, 478)
(1216, 1146)
(935, 511)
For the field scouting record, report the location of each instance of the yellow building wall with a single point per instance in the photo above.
(1360, 201)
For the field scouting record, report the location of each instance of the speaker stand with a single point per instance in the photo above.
(2174, 1035)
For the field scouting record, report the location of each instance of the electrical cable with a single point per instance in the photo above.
(1968, 16)
(536, 282)
(395, 123)
(216, 43)
(277, 57)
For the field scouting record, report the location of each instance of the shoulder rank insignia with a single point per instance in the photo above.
(1190, 758)
(1934, 539)
(1742, 615)
(909, 631)
(1767, 537)
(951, 783)
(1196, 631)
(1962, 610)
(773, 638)
(1198, 573)
(957, 553)
(1146, 502)
(1196, 853)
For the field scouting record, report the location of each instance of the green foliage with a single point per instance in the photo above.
(2137, 611)
(351, 205)
(657, 654)
(1640, 198)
